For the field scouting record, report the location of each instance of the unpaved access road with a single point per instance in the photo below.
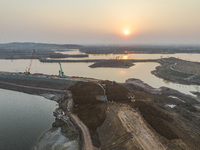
(143, 137)
(87, 141)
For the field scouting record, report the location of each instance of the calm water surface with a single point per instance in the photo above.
(23, 119)
(188, 56)
(139, 70)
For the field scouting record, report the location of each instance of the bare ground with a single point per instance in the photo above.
(117, 125)
(143, 137)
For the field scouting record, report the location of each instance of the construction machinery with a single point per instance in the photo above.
(61, 73)
(27, 71)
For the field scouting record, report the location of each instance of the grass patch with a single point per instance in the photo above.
(175, 73)
(197, 79)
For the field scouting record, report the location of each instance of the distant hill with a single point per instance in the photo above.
(38, 46)
(24, 50)
(143, 49)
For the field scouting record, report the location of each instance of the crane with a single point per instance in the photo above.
(27, 71)
(61, 73)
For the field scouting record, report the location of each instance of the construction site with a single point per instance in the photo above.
(100, 75)
(108, 115)
(102, 114)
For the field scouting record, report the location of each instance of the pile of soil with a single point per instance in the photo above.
(89, 110)
(116, 92)
(92, 111)
(85, 92)
(156, 119)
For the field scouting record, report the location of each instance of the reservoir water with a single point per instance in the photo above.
(184, 56)
(23, 119)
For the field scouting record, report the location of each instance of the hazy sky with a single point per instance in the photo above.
(100, 22)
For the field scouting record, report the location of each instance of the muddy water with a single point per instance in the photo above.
(23, 119)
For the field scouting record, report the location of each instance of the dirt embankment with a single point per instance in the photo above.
(92, 111)
(159, 120)
(171, 114)
(34, 84)
(156, 119)
(142, 136)
(170, 126)
(167, 116)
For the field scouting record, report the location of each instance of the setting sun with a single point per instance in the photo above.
(126, 31)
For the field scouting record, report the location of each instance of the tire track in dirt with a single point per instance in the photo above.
(143, 137)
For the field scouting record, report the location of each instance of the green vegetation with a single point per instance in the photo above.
(175, 74)
(197, 79)
(178, 70)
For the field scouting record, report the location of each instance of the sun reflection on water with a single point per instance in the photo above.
(122, 72)
(125, 57)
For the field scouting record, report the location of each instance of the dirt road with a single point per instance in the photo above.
(143, 137)
(87, 142)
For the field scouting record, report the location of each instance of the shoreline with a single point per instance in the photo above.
(174, 81)
(188, 76)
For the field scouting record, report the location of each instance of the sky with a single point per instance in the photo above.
(100, 21)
